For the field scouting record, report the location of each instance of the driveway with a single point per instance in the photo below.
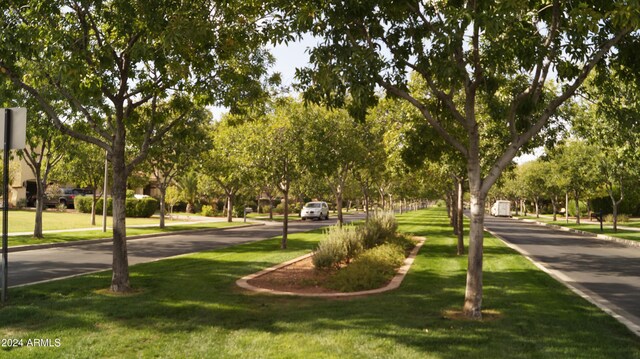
(606, 272)
(46, 264)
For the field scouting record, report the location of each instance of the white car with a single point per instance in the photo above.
(319, 210)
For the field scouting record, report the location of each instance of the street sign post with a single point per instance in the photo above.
(13, 132)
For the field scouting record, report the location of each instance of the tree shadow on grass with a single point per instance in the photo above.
(195, 294)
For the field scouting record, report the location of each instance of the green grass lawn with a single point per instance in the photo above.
(24, 221)
(98, 234)
(590, 226)
(189, 306)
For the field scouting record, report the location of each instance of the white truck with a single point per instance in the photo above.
(501, 209)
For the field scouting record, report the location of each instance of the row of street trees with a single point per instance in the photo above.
(488, 77)
(596, 158)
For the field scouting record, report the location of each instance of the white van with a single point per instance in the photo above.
(501, 209)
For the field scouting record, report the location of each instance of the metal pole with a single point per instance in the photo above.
(104, 192)
(5, 204)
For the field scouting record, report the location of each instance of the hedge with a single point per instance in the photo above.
(136, 208)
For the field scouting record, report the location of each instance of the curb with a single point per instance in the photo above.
(394, 284)
(577, 231)
(592, 298)
(32, 247)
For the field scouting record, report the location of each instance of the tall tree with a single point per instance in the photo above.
(83, 165)
(467, 52)
(227, 161)
(333, 148)
(277, 147)
(577, 164)
(44, 149)
(608, 123)
(178, 150)
(109, 58)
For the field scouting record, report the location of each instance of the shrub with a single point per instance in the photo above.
(136, 208)
(406, 242)
(21, 203)
(238, 210)
(330, 253)
(622, 218)
(61, 207)
(350, 238)
(265, 209)
(141, 208)
(379, 229)
(99, 206)
(370, 270)
(208, 211)
(82, 204)
(279, 209)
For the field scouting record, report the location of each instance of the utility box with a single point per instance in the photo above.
(501, 209)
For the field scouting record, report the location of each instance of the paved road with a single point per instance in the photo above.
(607, 272)
(46, 264)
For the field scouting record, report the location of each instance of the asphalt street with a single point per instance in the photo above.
(607, 272)
(46, 264)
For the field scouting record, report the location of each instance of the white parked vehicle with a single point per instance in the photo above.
(501, 209)
(319, 210)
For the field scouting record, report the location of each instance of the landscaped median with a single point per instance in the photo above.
(189, 306)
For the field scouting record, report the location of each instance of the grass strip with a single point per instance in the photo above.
(189, 307)
(591, 227)
(98, 234)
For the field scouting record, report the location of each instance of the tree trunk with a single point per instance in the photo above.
(460, 218)
(537, 207)
(614, 204)
(285, 223)
(453, 217)
(473, 292)
(40, 195)
(615, 216)
(577, 200)
(339, 206)
(94, 201)
(120, 277)
(163, 192)
(229, 207)
(365, 193)
(554, 204)
(271, 207)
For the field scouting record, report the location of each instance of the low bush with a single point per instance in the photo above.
(379, 229)
(279, 209)
(208, 211)
(265, 209)
(622, 218)
(82, 204)
(21, 203)
(141, 208)
(370, 270)
(350, 238)
(135, 208)
(406, 242)
(330, 253)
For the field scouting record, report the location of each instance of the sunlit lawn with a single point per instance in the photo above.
(190, 307)
(24, 221)
(98, 234)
